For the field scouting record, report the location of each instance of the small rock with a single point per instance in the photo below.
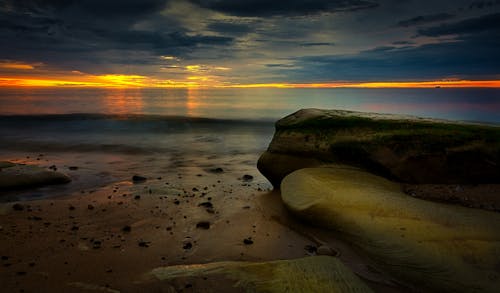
(247, 177)
(187, 245)
(138, 179)
(217, 170)
(248, 241)
(71, 208)
(326, 250)
(137, 197)
(144, 243)
(127, 228)
(311, 249)
(206, 204)
(90, 207)
(18, 207)
(73, 168)
(203, 225)
(53, 167)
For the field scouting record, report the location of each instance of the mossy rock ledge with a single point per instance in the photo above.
(403, 148)
(20, 176)
(432, 247)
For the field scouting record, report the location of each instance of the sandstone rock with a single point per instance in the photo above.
(17, 176)
(404, 148)
(310, 274)
(431, 246)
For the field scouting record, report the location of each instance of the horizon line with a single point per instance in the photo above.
(135, 81)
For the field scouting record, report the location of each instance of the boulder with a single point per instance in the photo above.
(403, 148)
(427, 245)
(19, 176)
(310, 274)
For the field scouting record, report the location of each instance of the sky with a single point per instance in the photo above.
(247, 43)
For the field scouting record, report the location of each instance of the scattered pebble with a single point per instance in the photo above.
(18, 207)
(187, 245)
(248, 241)
(206, 204)
(127, 228)
(73, 168)
(203, 225)
(247, 177)
(217, 170)
(138, 179)
(144, 243)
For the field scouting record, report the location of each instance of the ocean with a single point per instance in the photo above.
(118, 132)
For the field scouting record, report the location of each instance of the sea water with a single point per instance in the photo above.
(114, 133)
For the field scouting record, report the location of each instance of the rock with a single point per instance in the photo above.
(431, 246)
(203, 225)
(326, 250)
(310, 274)
(248, 241)
(247, 178)
(17, 176)
(73, 168)
(138, 179)
(126, 229)
(206, 204)
(217, 170)
(404, 148)
(17, 207)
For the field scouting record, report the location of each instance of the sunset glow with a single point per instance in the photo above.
(201, 81)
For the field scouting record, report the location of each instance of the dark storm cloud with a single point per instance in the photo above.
(230, 28)
(75, 32)
(314, 44)
(468, 58)
(482, 24)
(423, 19)
(263, 8)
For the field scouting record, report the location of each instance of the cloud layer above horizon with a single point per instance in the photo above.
(252, 41)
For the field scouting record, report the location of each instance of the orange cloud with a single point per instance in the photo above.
(16, 65)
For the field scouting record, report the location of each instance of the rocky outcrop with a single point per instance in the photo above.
(19, 176)
(310, 274)
(430, 246)
(403, 148)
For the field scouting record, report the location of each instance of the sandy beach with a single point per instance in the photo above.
(105, 236)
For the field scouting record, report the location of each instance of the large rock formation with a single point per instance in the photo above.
(403, 148)
(18, 176)
(431, 246)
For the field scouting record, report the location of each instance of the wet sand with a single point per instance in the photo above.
(103, 232)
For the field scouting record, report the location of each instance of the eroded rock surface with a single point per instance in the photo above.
(403, 148)
(430, 246)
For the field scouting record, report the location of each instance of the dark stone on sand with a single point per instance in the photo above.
(248, 241)
(73, 168)
(19, 176)
(144, 243)
(90, 207)
(311, 249)
(402, 148)
(247, 177)
(217, 170)
(71, 208)
(206, 204)
(127, 228)
(137, 197)
(187, 245)
(203, 225)
(18, 207)
(138, 179)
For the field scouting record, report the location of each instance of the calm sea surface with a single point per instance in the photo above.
(254, 104)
